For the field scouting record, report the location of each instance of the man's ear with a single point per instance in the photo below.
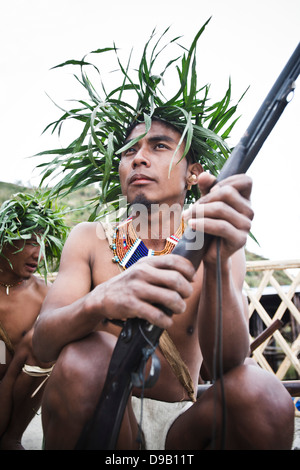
(194, 170)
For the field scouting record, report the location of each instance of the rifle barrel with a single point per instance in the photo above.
(191, 245)
(264, 120)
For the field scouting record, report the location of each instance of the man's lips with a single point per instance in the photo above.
(140, 179)
(31, 266)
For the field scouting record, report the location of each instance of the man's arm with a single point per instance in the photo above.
(235, 338)
(73, 308)
(227, 215)
(60, 321)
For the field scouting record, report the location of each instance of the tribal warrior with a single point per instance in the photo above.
(164, 156)
(32, 234)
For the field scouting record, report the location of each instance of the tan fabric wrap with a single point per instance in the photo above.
(177, 364)
(5, 338)
(36, 371)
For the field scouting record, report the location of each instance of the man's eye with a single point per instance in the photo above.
(128, 152)
(160, 146)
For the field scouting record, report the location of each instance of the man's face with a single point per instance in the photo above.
(145, 167)
(24, 262)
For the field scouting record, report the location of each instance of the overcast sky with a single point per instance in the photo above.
(249, 41)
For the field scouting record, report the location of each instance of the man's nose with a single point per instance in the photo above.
(141, 158)
(36, 253)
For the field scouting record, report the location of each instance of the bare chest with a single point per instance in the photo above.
(18, 312)
(184, 332)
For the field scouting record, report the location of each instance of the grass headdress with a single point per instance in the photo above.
(93, 157)
(25, 215)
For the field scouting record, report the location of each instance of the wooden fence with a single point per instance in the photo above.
(283, 347)
(288, 302)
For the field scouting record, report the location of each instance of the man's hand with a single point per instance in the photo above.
(161, 280)
(224, 211)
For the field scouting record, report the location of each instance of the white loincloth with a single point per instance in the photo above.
(157, 418)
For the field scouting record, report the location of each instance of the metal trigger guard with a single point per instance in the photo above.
(138, 379)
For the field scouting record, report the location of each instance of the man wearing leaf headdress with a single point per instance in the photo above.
(159, 160)
(27, 225)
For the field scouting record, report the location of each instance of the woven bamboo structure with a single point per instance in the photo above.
(289, 351)
(288, 302)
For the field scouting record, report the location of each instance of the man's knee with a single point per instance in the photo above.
(259, 400)
(84, 363)
(256, 386)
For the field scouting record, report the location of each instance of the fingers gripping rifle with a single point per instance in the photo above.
(139, 339)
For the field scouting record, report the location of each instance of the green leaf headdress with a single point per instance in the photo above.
(93, 157)
(25, 215)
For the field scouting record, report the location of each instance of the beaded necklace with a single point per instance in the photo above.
(128, 248)
(8, 286)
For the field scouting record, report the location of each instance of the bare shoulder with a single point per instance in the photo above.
(40, 284)
(83, 229)
(83, 263)
(81, 242)
(37, 286)
(86, 233)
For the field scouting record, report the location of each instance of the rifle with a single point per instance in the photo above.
(138, 339)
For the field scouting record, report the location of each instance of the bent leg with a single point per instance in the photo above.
(18, 407)
(73, 391)
(259, 415)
